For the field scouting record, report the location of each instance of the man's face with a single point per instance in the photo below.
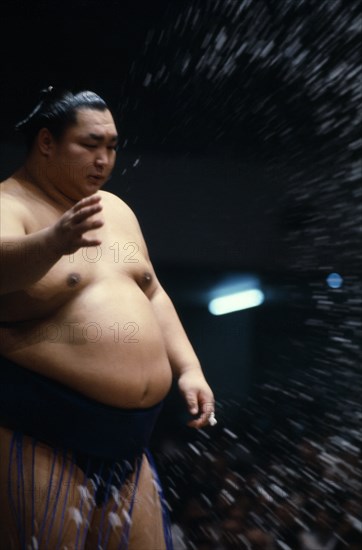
(83, 160)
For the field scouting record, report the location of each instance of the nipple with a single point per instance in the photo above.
(73, 279)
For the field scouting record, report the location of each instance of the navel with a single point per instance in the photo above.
(73, 279)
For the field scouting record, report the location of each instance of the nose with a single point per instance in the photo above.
(101, 158)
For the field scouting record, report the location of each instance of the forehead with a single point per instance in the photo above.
(91, 121)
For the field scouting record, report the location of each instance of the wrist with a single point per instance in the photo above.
(191, 369)
(52, 245)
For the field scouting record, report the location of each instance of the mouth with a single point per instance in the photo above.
(96, 178)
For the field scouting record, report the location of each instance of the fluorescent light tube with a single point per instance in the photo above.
(237, 301)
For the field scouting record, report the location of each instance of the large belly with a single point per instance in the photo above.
(105, 343)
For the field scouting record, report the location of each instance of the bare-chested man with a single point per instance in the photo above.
(89, 344)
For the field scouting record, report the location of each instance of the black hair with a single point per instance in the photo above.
(56, 111)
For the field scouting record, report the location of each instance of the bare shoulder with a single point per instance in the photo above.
(7, 187)
(11, 195)
(12, 208)
(123, 216)
(116, 205)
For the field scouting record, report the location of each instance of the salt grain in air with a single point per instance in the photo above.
(115, 495)
(196, 451)
(76, 515)
(127, 516)
(114, 520)
(229, 433)
(84, 492)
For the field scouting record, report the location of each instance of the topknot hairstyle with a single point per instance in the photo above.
(56, 110)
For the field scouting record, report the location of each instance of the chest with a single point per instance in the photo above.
(122, 254)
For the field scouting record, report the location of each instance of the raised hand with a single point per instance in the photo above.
(67, 235)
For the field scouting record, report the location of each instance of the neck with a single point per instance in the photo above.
(35, 173)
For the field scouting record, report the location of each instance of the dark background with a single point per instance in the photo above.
(240, 128)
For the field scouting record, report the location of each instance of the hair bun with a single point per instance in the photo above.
(47, 92)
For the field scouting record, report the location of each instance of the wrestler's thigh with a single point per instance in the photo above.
(110, 521)
(147, 525)
(42, 494)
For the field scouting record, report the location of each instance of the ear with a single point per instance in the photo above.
(45, 141)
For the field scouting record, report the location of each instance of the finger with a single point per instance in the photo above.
(206, 407)
(87, 201)
(90, 242)
(83, 229)
(200, 422)
(86, 226)
(87, 212)
(192, 402)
